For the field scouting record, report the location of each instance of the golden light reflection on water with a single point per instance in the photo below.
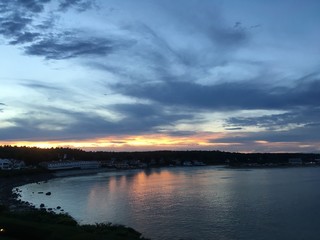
(193, 203)
(103, 193)
(141, 190)
(144, 186)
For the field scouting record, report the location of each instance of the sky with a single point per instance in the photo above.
(143, 75)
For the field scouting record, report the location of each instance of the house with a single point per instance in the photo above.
(5, 164)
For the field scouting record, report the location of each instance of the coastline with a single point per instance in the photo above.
(9, 199)
(59, 227)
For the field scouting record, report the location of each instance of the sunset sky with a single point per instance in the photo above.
(133, 75)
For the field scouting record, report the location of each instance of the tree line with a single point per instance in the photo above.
(35, 155)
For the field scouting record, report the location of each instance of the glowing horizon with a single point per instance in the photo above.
(162, 143)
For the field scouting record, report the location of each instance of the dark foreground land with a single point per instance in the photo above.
(19, 220)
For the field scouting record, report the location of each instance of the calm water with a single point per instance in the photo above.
(194, 202)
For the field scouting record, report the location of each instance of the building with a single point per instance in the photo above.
(9, 164)
(64, 165)
(5, 164)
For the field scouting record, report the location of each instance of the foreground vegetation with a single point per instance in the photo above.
(40, 224)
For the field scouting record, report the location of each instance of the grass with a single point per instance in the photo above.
(40, 224)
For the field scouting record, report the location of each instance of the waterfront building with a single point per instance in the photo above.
(64, 165)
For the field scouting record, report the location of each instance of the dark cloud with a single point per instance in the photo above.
(303, 134)
(136, 110)
(228, 36)
(80, 5)
(23, 6)
(32, 5)
(13, 25)
(298, 125)
(175, 133)
(20, 21)
(25, 37)
(26, 130)
(41, 86)
(3, 6)
(15, 28)
(2, 104)
(21, 26)
(233, 128)
(17, 23)
(37, 6)
(309, 116)
(64, 48)
(269, 121)
(148, 117)
(225, 96)
(136, 119)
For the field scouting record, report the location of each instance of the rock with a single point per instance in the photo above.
(42, 205)
(58, 207)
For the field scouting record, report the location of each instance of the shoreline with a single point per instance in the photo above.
(8, 197)
(15, 227)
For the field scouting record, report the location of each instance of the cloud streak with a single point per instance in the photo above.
(80, 5)
(225, 96)
(57, 48)
(135, 119)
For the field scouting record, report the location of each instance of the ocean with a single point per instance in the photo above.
(207, 202)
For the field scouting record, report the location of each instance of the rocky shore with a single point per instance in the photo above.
(57, 226)
(9, 199)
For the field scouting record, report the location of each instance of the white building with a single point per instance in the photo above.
(64, 165)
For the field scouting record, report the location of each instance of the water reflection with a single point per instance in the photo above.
(193, 203)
